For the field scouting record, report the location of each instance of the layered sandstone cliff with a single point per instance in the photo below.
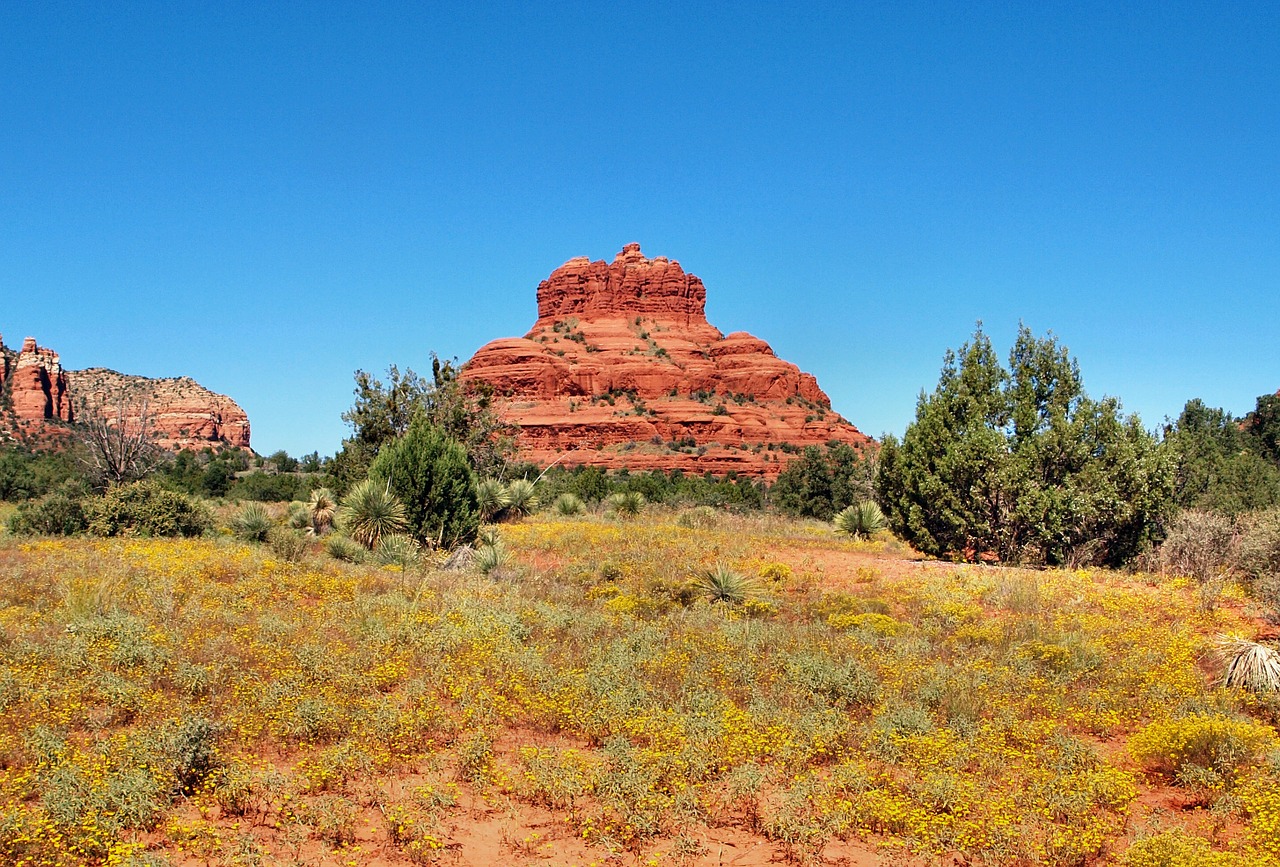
(183, 413)
(622, 369)
(38, 398)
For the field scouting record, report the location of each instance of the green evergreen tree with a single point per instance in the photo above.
(1021, 463)
(1263, 425)
(429, 472)
(1217, 465)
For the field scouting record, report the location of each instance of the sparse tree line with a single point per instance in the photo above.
(1011, 463)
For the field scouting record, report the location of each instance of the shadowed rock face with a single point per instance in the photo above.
(41, 394)
(622, 369)
(37, 384)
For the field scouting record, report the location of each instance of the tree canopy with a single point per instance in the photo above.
(384, 412)
(1022, 464)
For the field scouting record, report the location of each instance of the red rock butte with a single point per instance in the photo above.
(622, 369)
(37, 396)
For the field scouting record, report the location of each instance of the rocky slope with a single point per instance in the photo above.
(622, 369)
(38, 396)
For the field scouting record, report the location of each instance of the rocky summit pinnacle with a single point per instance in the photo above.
(622, 369)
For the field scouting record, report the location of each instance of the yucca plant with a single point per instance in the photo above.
(323, 507)
(345, 549)
(627, 504)
(861, 520)
(370, 511)
(491, 498)
(569, 505)
(487, 536)
(252, 523)
(724, 586)
(298, 517)
(491, 559)
(1249, 665)
(397, 549)
(521, 498)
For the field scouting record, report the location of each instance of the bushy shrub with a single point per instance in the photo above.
(1258, 555)
(145, 509)
(269, 487)
(697, 518)
(430, 474)
(1212, 742)
(287, 544)
(58, 514)
(1200, 545)
(1173, 848)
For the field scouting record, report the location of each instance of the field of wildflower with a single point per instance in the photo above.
(590, 700)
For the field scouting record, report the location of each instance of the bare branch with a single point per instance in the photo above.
(117, 430)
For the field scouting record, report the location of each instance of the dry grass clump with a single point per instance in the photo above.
(1249, 665)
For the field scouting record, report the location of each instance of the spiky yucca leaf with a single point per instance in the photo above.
(627, 504)
(491, 559)
(344, 549)
(370, 511)
(861, 520)
(1248, 664)
(568, 505)
(487, 536)
(398, 549)
(323, 506)
(298, 517)
(252, 523)
(491, 498)
(725, 586)
(521, 498)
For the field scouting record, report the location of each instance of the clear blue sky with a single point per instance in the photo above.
(268, 196)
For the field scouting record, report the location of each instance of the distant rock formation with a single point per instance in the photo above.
(622, 369)
(35, 383)
(184, 414)
(38, 398)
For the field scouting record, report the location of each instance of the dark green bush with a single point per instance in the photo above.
(58, 514)
(145, 509)
(430, 474)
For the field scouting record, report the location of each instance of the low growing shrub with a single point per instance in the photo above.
(145, 509)
(56, 514)
(1215, 742)
(286, 544)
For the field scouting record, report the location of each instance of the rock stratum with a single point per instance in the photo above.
(39, 399)
(622, 369)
